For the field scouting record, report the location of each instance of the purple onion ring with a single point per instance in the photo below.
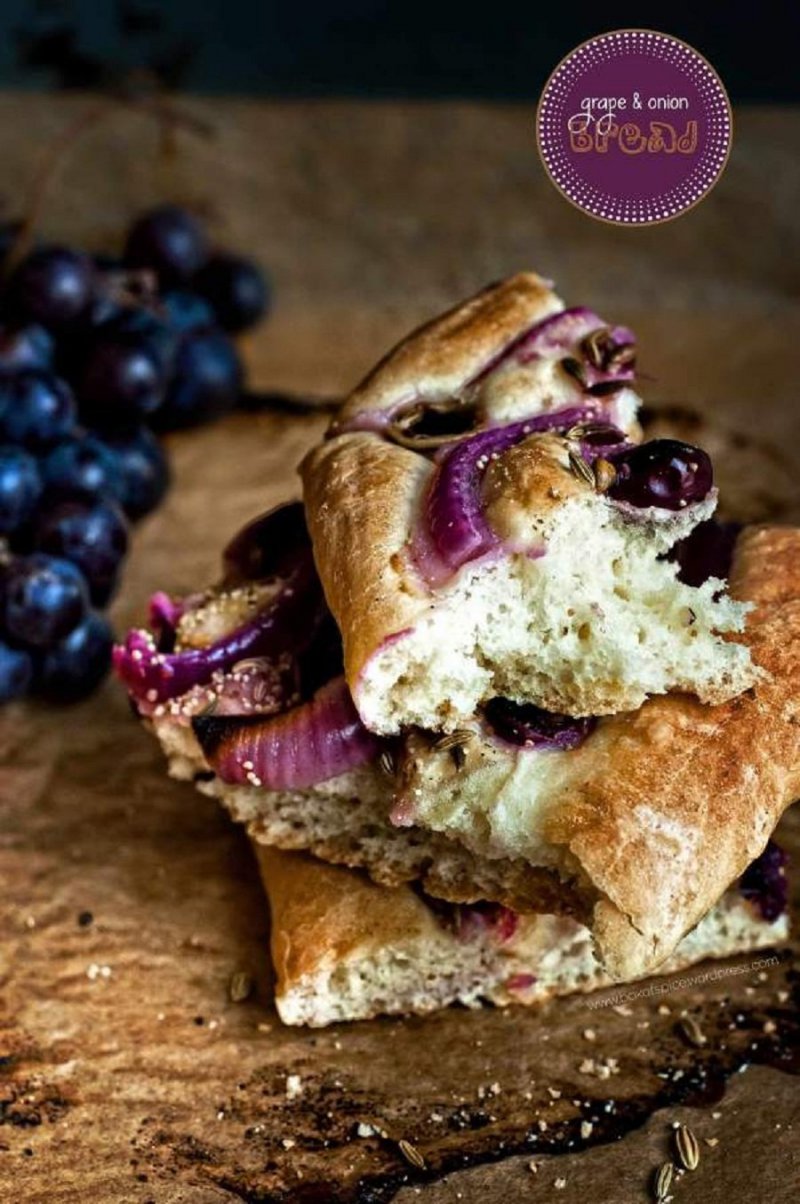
(311, 743)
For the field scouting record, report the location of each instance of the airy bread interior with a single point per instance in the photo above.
(592, 626)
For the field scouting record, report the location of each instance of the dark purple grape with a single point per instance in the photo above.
(267, 546)
(206, 382)
(84, 465)
(74, 668)
(52, 286)
(664, 473)
(186, 311)
(765, 884)
(706, 552)
(123, 379)
(170, 241)
(37, 409)
(25, 347)
(528, 726)
(20, 488)
(143, 473)
(91, 534)
(44, 598)
(237, 290)
(16, 671)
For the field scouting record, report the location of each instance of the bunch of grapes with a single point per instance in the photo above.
(95, 354)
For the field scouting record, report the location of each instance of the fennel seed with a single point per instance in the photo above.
(387, 763)
(411, 1154)
(240, 987)
(691, 1032)
(688, 1149)
(580, 469)
(454, 739)
(663, 1181)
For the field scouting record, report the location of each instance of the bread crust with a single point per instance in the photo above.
(663, 808)
(362, 499)
(345, 948)
(438, 359)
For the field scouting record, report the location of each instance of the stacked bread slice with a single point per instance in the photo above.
(504, 666)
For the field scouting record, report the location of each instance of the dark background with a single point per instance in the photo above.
(496, 48)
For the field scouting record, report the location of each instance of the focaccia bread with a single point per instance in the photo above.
(346, 949)
(483, 525)
(635, 825)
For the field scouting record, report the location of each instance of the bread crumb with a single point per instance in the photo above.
(294, 1086)
(586, 1129)
(589, 1034)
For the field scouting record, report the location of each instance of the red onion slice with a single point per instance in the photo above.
(319, 740)
(561, 334)
(558, 334)
(454, 530)
(164, 614)
(286, 624)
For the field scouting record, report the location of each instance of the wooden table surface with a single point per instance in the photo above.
(127, 1072)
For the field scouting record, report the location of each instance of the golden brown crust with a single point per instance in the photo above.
(663, 808)
(438, 359)
(361, 497)
(533, 478)
(713, 781)
(318, 913)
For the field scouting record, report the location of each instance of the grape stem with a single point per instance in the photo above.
(165, 113)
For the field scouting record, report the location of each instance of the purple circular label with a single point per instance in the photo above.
(634, 127)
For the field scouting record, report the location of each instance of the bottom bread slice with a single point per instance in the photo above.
(345, 948)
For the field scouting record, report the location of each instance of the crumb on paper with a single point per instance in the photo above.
(294, 1086)
(586, 1129)
(288, 1143)
(663, 1010)
(601, 1068)
(622, 1009)
(559, 1184)
(363, 1129)
(93, 972)
(589, 1034)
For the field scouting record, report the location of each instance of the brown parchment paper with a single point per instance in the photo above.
(129, 902)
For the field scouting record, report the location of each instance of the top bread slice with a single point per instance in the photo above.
(573, 607)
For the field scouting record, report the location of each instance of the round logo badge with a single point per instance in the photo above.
(634, 127)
